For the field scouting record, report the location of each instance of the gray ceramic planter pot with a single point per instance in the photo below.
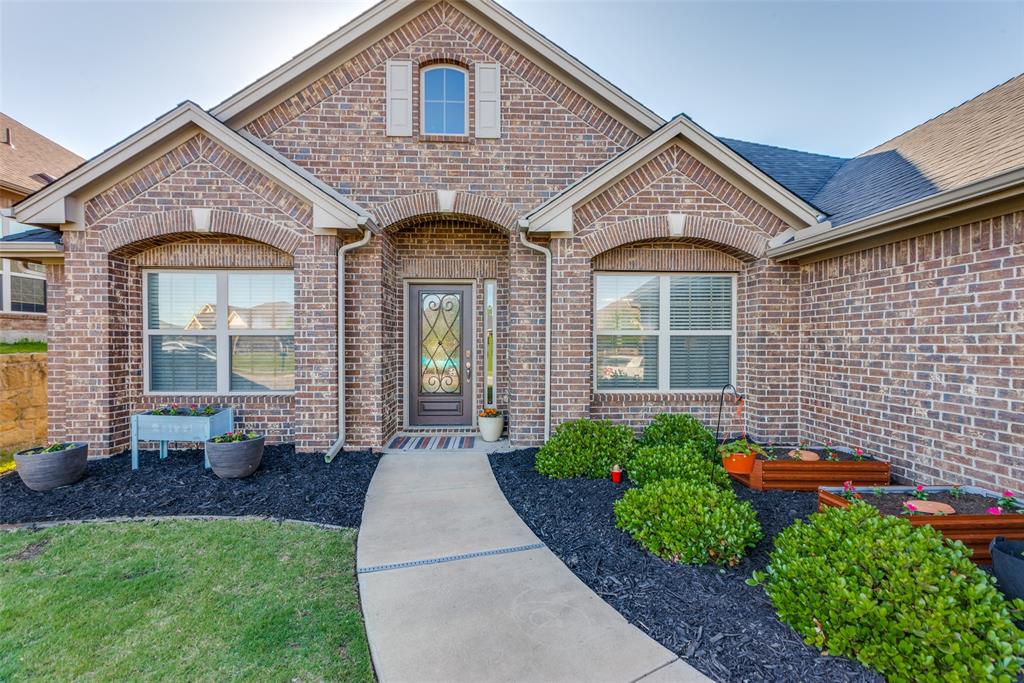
(235, 459)
(45, 471)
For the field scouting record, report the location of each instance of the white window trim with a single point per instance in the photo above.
(423, 101)
(664, 333)
(7, 273)
(222, 333)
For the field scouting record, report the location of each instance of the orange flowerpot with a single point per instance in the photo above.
(739, 463)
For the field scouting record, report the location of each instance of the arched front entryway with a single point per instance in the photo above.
(449, 293)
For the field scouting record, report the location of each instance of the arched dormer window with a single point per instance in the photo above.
(445, 95)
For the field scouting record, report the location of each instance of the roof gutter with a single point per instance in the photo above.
(980, 193)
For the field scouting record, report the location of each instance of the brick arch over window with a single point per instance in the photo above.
(142, 231)
(399, 212)
(741, 242)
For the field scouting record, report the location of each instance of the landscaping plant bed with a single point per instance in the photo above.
(971, 522)
(287, 485)
(780, 471)
(705, 614)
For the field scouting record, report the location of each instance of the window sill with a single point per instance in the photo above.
(456, 139)
(208, 395)
(622, 396)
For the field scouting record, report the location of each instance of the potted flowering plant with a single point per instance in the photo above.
(46, 467)
(491, 424)
(738, 456)
(235, 454)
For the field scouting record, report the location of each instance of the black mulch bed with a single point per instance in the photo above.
(708, 616)
(286, 485)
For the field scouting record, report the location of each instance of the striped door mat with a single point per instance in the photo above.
(431, 443)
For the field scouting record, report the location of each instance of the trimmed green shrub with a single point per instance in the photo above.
(679, 429)
(585, 448)
(687, 521)
(898, 598)
(654, 463)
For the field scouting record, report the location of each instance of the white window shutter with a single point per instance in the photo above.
(488, 101)
(399, 97)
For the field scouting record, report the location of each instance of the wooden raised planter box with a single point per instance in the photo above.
(796, 475)
(974, 531)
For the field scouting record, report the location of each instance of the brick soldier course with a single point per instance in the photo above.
(909, 345)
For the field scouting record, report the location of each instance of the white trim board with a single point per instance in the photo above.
(61, 203)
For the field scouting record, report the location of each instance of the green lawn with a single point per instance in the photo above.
(179, 600)
(23, 347)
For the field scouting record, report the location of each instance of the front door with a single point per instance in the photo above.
(440, 354)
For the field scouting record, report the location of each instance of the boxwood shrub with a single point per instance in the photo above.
(689, 521)
(679, 429)
(900, 599)
(654, 463)
(585, 448)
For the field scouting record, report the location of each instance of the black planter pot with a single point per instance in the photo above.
(45, 471)
(1008, 565)
(235, 459)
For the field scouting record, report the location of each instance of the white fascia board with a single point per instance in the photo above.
(46, 206)
(33, 252)
(314, 58)
(574, 68)
(818, 238)
(309, 58)
(603, 176)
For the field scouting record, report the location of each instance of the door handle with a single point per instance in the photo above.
(469, 369)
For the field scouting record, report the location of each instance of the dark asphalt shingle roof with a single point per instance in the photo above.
(40, 235)
(802, 173)
(976, 140)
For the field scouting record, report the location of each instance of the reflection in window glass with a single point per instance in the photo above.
(182, 363)
(261, 301)
(627, 362)
(444, 101)
(28, 294)
(627, 303)
(182, 301)
(262, 363)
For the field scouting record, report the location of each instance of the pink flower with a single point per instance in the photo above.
(848, 485)
(994, 511)
(1007, 494)
(910, 506)
(920, 488)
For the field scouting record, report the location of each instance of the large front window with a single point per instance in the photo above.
(663, 332)
(219, 331)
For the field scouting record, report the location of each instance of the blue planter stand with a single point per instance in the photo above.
(164, 428)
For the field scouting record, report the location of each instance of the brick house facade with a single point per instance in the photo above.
(909, 345)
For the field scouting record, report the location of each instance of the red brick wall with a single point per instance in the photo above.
(913, 350)
(143, 221)
(625, 228)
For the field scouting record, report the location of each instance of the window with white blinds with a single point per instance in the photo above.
(664, 332)
(216, 332)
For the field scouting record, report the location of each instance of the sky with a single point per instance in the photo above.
(826, 76)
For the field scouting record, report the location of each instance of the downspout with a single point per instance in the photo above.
(547, 326)
(344, 249)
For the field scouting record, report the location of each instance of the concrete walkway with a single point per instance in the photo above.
(455, 587)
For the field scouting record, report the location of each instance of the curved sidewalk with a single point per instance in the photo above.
(455, 587)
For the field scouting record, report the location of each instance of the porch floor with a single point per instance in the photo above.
(456, 587)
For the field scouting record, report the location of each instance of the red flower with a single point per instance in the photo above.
(920, 488)
(1007, 494)
(858, 451)
(994, 511)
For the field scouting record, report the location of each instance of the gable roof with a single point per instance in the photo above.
(386, 15)
(979, 139)
(61, 202)
(555, 215)
(802, 173)
(25, 155)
